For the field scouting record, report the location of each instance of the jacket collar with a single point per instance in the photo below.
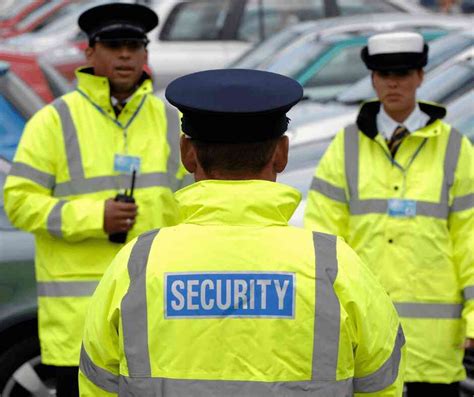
(367, 120)
(238, 203)
(97, 88)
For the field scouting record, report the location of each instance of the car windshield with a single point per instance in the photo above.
(258, 55)
(440, 51)
(353, 7)
(448, 83)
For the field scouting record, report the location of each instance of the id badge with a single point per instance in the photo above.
(126, 164)
(402, 208)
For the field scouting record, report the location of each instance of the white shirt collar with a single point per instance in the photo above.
(386, 125)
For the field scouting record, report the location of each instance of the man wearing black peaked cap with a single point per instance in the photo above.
(233, 301)
(70, 183)
(399, 187)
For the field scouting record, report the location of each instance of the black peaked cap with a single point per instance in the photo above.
(118, 20)
(234, 105)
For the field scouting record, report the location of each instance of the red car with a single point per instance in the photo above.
(17, 10)
(36, 15)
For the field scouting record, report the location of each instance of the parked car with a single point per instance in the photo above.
(461, 114)
(324, 56)
(211, 33)
(14, 11)
(20, 364)
(321, 120)
(35, 17)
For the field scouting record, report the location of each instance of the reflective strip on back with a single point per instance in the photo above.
(28, 172)
(351, 159)
(162, 387)
(387, 374)
(429, 310)
(134, 308)
(173, 134)
(71, 142)
(66, 288)
(98, 376)
(327, 309)
(54, 221)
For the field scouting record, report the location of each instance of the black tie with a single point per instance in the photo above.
(397, 138)
(118, 108)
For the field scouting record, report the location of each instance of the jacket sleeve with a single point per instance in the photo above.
(99, 367)
(327, 209)
(28, 191)
(378, 339)
(461, 227)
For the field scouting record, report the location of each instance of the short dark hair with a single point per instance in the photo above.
(234, 157)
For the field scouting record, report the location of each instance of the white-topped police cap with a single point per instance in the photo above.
(116, 21)
(234, 105)
(395, 51)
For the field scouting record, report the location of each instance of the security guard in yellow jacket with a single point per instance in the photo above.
(233, 301)
(75, 155)
(399, 187)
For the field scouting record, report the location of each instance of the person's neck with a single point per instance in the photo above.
(121, 96)
(400, 115)
(267, 174)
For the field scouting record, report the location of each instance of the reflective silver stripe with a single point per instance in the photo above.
(28, 172)
(429, 310)
(115, 182)
(463, 203)
(387, 374)
(134, 308)
(66, 288)
(160, 387)
(380, 206)
(327, 310)
(351, 159)
(468, 292)
(450, 163)
(54, 221)
(71, 142)
(328, 190)
(174, 134)
(98, 376)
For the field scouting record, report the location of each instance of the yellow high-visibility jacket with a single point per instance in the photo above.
(234, 302)
(61, 176)
(411, 219)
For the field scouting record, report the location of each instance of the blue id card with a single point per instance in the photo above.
(401, 208)
(126, 164)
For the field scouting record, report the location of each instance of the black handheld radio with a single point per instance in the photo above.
(120, 238)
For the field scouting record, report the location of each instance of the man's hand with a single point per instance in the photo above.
(118, 216)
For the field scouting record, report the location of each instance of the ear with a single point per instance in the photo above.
(188, 154)
(89, 52)
(421, 76)
(280, 157)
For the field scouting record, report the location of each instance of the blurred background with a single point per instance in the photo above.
(316, 42)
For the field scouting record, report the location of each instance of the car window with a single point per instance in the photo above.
(11, 127)
(449, 83)
(276, 15)
(202, 20)
(342, 70)
(266, 50)
(353, 7)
